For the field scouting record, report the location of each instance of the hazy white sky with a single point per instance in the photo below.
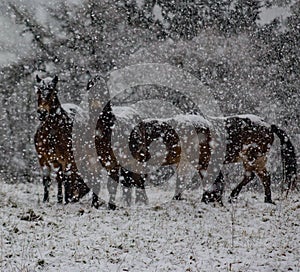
(269, 14)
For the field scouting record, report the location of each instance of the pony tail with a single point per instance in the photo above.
(288, 157)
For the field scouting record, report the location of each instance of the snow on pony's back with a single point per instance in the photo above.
(75, 112)
(184, 119)
(125, 113)
(193, 119)
(81, 114)
(253, 118)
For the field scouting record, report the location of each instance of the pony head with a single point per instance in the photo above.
(46, 95)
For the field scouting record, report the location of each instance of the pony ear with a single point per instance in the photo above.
(90, 84)
(55, 80)
(38, 79)
(89, 78)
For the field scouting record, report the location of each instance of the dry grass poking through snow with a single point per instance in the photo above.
(176, 236)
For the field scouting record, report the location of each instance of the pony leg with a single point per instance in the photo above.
(75, 187)
(68, 178)
(140, 191)
(264, 176)
(67, 187)
(130, 179)
(96, 203)
(137, 180)
(215, 192)
(179, 187)
(127, 181)
(127, 194)
(59, 179)
(81, 187)
(248, 176)
(46, 182)
(183, 173)
(112, 186)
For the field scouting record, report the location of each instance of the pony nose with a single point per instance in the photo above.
(42, 114)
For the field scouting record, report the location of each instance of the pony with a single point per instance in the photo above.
(139, 142)
(249, 139)
(115, 171)
(53, 144)
(178, 148)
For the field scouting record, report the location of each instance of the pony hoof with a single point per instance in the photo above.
(112, 206)
(46, 199)
(178, 197)
(205, 199)
(74, 199)
(212, 198)
(270, 201)
(97, 204)
(232, 199)
(142, 203)
(220, 202)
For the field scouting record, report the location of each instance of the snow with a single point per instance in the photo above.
(76, 112)
(253, 118)
(157, 12)
(176, 236)
(241, 72)
(15, 43)
(192, 119)
(12, 44)
(267, 15)
(125, 113)
(140, 3)
(183, 120)
(46, 81)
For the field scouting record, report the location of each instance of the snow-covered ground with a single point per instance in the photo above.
(176, 236)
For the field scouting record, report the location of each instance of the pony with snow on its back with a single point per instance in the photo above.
(140, 140)
(53, 143)
(249, 139)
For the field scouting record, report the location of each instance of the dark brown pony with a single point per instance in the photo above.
(139, 142)
(249, 140)
(53, 143)
(148, 131)
(115, 171)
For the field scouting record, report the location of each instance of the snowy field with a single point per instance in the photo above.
(175, 236)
